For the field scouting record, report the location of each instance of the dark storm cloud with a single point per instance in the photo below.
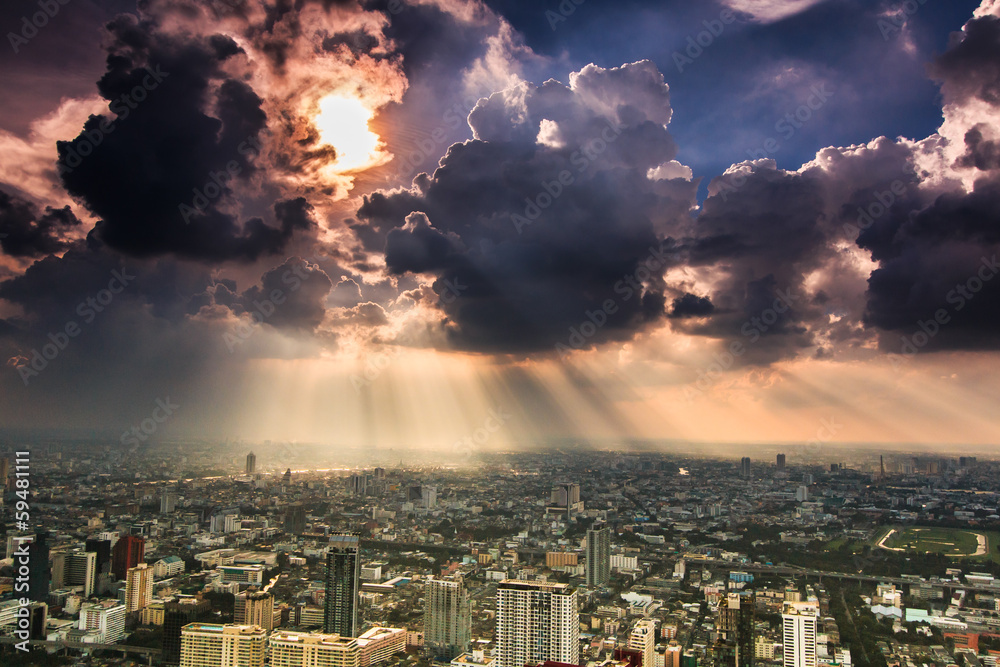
(691, 305)
(981, 153)
(970, 69)
(519, 256)
(295, 293)
(25, 231)
(159, 168)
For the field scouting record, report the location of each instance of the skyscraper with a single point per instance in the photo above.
(39, 574)
(211, 645)
(175, 616)
(251, 463)
(598, 564)
(447, 617)
(295, 519)
(81, 570)
(103, 550)
(343, 570)
(735, 626)
(643, 639)
(254, 608)
(127, 553)
(168, 501)
(781, 461)
(138, 588)
(536, 621)
(799, 628)
(565, 494)
(745, 467)
(286, 479)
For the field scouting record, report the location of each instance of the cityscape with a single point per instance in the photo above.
(500, 333)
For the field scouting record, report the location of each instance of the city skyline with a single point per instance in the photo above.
(482, 225)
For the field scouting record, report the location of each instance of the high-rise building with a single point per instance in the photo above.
(106, 617)
(428, 496)
(447, 617)
(343, 570)
(39, 572)
(138, 587)
(168, 501)
(127, 553)
(745, 467)
(781, 462)
(295, 519)
(300, 649)
(286, 479)
(175, 616)
(565, 494)
(357, 484)
(536, 622)
(251, 463)
(734, 624)
(211, 645)
(598, 566)
(414, 493)
(58, 564)
(254, 608)
(643, 639)
(103, 550)
(81, 570)
(799, 630)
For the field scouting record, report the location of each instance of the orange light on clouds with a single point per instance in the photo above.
(343, 123)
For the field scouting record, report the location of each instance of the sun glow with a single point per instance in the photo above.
(343, 123)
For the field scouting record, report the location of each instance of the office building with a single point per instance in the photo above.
(299, 649)
(565, 494)
(781, 462)
(127, 553)
(106, 618)
(734, 625)
(103, 550)
(168, 501)
(598, 566)
(799, 630)
(745, 467)
(175, 616)
(447, 617)
(286, 479)
(251, 463)
(81, 570)
(11, 617)
(252, 575)
(39, 572)
(138, 588)
(57, 570)
(536, 622)
(254, 608)
(343, 570)
(643, 639)
(428, 496)
(212, 645)
(295, 519)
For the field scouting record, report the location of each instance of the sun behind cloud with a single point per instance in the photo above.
(343, 123)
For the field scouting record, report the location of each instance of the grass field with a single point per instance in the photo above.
(952, 542)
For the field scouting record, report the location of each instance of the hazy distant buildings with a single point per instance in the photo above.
(286, 479)
(565, 494)
(536, 622)
(343, 570)
(745, 467)
(428, 496)
(598, 565)
(295, 519)
(781, 462)
(168, 501)
(251, 463)
(447, 617)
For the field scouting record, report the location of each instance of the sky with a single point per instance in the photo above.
(466, 225)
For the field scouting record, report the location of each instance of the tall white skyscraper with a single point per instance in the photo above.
(447, 617)
(598, 564)
(81, 570)
(800, 620)
(138, 588)
(428, 496)
(536, 621)
(643, 638)
(211, 645)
